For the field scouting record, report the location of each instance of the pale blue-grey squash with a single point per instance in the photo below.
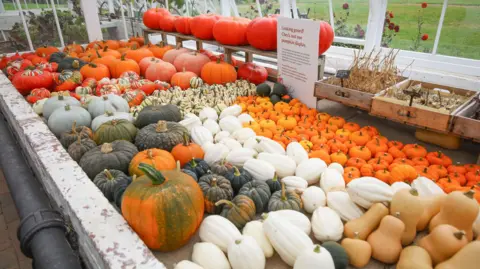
(109, 102)
(62, 119)
(108, 116)
(55, 102)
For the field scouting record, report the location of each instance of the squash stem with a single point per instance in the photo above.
(225, 202)
(61, 97)
(178, 166)
(108, 174)
(316, 249)
(149, 154)
(470, 194)
(153, 174)
(356, 235)
(237, 172)
(238, 241)
(74, 127)
(214, 182)
(193, 163)
(459, 234)
(186, 139)
(284, 197)
(106, 148)
(79, 139)
(109, 113)
(413, 192)
(161, 126)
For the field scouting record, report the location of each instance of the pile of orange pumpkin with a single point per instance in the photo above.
(363, 151)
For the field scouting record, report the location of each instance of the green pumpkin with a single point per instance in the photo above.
(215, 188)
(71, 136)
(70, 63)
(119, 189)
(107, 179)
(238, 178)
(221, 167)
(285, 199)
(274, 184)
(339, 255)
(263, 90)
(115, 130)
(197, 166)
(163, 135)
(57, 57)
(77, 149)
(259, 192)
(153, 114)
(116, 155)
(279, 89)
(275, 98)
(239, 211)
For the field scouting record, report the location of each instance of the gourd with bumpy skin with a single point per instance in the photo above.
(171, 208)
(312, 258)
(215, 188)
(71, 136)
(414, 257)
(443, 242)
(221, 167)
(238, 178)
(342, 204)
(407, 206)
(359, 251)
(274, 184)
(115, 130)
(466, 258)
(431, 207)
(219, 231)
(55, 102)
(259, 192)
(311, 169)
(108, 116)
(62, 119)
(298, 219)
(239, 211)
(389, 233)
(285, 199)
(209, 256)
(245, 253)
(107, 180)
(312, 198)
(153, 114)
(78, 149)
(362, 227)
(163, 135)
(255, 230)
(109, 102)
(197, 166)
(339, 255)
(115, 155)
(326, 224)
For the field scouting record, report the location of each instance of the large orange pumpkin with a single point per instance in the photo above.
(158, 158)
(162, 71)
(167, 23)
(202, 25)
(152, 16)
(231, 31)
(262, 33)
(159, 49)
(182, 25)
(138, 54)
(124, 65)
(218, 72)
(96, 71)
(165, 208)
(192, 61)
(186, 151)
(182, 79)
(146, 62)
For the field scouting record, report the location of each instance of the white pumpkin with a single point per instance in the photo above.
(189, 123)
(208, 113)
(366, 191)
(230, 124)
(426, 187)
(326, 224)
(109, 102)
(221, 135)
(332, 180)
(231, 143)
(233, 110)
(295, 183)
(209, 256)
(259, 169)
(55, 102)
(312, 198)
(219, 231)
(251, 143)
(215, 153)
(396, 186)
(337, 167)
(244, 118)
(38, 106)
(311, 169)
(344, 206)
(201, 135)
(185, 264)
(62, 119)
(255, 230)
(296, 152)
(242, 135)
(295, 218)
(270, 146)
(191, 116)
(245, 253)
(288, 240)
(284, 165)
(317, 257)
(110, 116)
(206, 145)
(239, 156)
(212, 126)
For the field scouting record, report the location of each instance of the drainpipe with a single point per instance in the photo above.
(42, 229)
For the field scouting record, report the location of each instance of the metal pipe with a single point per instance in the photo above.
(41, 231)
(24, 22)
(59, 29)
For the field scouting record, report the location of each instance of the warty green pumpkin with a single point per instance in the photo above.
(153, 114)
(259, 192)
(221, 167)
(115, 130)
(238, 177)
(77, 149)
(215, 188)
(108, 179)
(274, 184)
(197, 166)
(285, 199)
(164, 208)
(239, 211)
(71, 136)
(163, 135)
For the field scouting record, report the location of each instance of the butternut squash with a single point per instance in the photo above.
(431, 207)
(443, 242)
(359, 251)
(467, 258)
(414, 257)
(459, 210)
(366, 224)
(386, 241)
(407, 206)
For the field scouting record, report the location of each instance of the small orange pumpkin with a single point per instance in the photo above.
(186, 151)
(439, 158)
(356, 162)
(414, 150)
(350, 173)
(218, 72)
(396, 144)
(182, 79)
(375, 145)
(339, 157)
(351, 127)
(403, 173)
(158, 158)
(367, 170)
(360, 138)
(96, 71)
(458, 168)
(360, 152)
(383, 175)
(385, 156)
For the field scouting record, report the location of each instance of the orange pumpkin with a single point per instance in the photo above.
(420, 161)
(356, 162)
(350, 173)
(458, 177)
(328, 134)
(323, 117)
(382, 139)
(396, 144)
(403, 173)
(146, 62)
(351, 127)
(96, 71)
(218, 72)
(268, 124)
(414, 150)
(367, 170)
(403, 161)
(138, 54)
(107, 60)
(134, 97)
(182, 79)
(384, 175)
(370, 130)
(264, 132)
(385, 156)
(439, 169)
(337, 121)
(336, 145)
(438, 158)
(321, 154)
(360, 138)
(473, 177)
(287, 122)
(162, 71)
(396, 153)
(187, 151)
(139, 39)
(106, 52)
(339, 157)
(472, 167)
(231, 31)
(378, 164)
(159, 49)
(458, 168)
(448, 185)
(375, 146)
(360, 152)
(124, 65)
(158, 158)
(424, 171)
(350, 144)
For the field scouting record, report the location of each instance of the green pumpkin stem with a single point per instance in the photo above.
(413, 192)
(67, 107)
(470, 194)
(284, 197)
(193, 163)
(214, 182)
(237, 172)
(98, 54)
(108, 174)
(92, 65)
(161, 126)
(316, 249)
(61, 97)
(108, 113)
(186, 139)
(225, 202)
(106, 148)
(264, 216)
(75, 64)
(275, 177)
(153, 174)
(238, 241)
(105, 97)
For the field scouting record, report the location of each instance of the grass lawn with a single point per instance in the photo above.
(10, 6)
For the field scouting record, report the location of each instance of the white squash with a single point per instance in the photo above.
(185, 264)
(317, 257)
(215, 153)
(245, 253)
(219, 231)
(201, 135)
(260, 170)
(332, 180)
(284, 165)
(220, 135)
(110, 116)
(208, 113)
(295, 183)
(206, 146)
(189, 123)
(239, 156)
(251, 143)
(230, 124)
(244, 118)
(295, 218)
(311, 169)
(212, 126)
(191, 116)
(344, 206)
(337, 167)
(233, 110)
(255, 230)
(288, 240)
(396, 186)
(209, 256)
(326, 224)
(38, 106)
(270, 146)
(297, 152)
(231, 143)
(366, 191)
(426, 187)
(312, 198)
(242, 135)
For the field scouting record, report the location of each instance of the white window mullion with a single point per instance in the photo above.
(124, 22)
(440, 25)
(259, 8)
(92, 21)
(25, 28)
(59, 29)
(330, 11)
(376, 19)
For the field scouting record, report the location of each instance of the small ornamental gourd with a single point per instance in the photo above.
(163, 135)
(108, 179)
(239, 211)
(341, 202)
(160, 159)
(185, 264)
(215, 188)
(389, 233)
(238, 178)
(443, 242)
(259, 192)
(284, 165)
(71, 136)
(153, 114)
(186, 151)
(115, 130)
(77, 149)
(171, 209)
(407, 206)
(285, 199)
(197, 166)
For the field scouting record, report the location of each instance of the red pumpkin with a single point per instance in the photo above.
(27, 80)
(46, 51)
(170, 55)
(167, 23)
(152, 17)
(252, 73)
(202, 26)
(4, 61)
(262, 33)
(326, 37)
(162, 71)
(231, 31)
(38, 94)
(182, 25)
(146, 62)
(192, 61)
(182, 79)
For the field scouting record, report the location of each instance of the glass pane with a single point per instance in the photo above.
(350, 18)
(12, 32)
(314, 9)
(410, 25)
(460, 34)
(248, 8)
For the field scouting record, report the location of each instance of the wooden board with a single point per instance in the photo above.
(349, 97)
(464, 125)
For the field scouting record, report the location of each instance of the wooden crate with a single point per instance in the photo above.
(416, 115)
(462, 123)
